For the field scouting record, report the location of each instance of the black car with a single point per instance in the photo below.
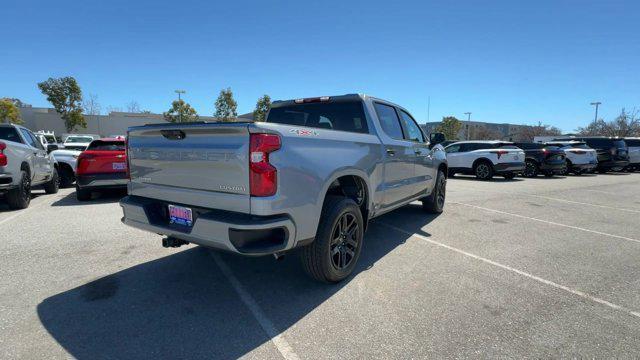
(541, 158)
(613, 154)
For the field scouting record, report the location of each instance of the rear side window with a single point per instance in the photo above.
(389, 120)
(343, 116)
(101, 145)
(9, 134)
(632, 142)
(414, 133)
(620, 144)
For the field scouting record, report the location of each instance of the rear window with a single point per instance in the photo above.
(101, 145)
(530, 146)
(599, 143)
(9, 134)
(343, 116)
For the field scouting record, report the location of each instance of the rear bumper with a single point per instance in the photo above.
(102, 181)
(240, 233)
(553, 164)
(508, 167)
(613, 164)
(584, 167)
(6, 182)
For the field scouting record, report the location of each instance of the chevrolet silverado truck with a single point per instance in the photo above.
(24, 164)
(311, 175)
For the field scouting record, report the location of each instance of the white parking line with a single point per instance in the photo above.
(24, 211)
(601, 192)
(547, 222)
(520, 272)
(278, 340)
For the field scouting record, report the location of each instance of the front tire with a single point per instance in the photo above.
(20, 197)
(434, 203)
(483, 170)
(66, 177)
(530, 169)
(333, 255)
(53, 185)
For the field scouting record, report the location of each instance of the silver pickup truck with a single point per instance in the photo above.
(24, 163)
(312, 176)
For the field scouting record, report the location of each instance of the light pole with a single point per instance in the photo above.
(468, 124)
(180, 108)
(596, 103)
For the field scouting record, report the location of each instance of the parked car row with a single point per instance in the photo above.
(576, 155)
(28, 161)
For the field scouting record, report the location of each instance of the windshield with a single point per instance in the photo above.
(344, 116)
(50, 138)
(78, 139)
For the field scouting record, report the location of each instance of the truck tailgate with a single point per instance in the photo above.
(200, 164)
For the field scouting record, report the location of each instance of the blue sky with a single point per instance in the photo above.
(505, 61)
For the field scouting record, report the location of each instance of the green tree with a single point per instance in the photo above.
(262, 106)
(450, 126)
(181, 112)
(226, 106)
(66, 97)
(9, 112)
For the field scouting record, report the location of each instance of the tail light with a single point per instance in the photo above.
(126, 155)
(262, 175)
(500, 153)
(83, 162)
(3, 157)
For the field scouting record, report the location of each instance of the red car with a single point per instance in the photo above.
(103, 165)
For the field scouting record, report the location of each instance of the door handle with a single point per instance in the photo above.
(391, 152)
(418, 152)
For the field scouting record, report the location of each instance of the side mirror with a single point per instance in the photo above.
(436, 138)
(51, 147)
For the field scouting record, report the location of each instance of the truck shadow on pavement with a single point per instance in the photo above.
(102, 197)
(182, 306)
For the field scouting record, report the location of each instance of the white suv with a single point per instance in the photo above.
(580, 157)
(485, 158)
(634, 153)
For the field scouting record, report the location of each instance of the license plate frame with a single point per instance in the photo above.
(180, 215)
(119, 166)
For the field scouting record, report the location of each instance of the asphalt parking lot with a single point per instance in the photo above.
(523, 268)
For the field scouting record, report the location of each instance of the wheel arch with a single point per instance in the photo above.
(348, 182)
(481, 160)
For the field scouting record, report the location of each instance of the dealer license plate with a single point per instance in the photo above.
(180, 215)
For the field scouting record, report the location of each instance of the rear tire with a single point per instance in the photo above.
(334, 253)
(82, 195)
(53, 185)
(483, 170)
(20, 197)
(434, 203)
